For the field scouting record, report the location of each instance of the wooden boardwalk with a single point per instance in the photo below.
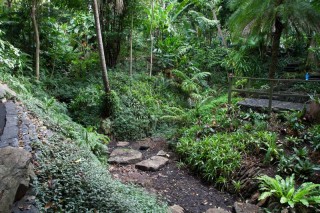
(276, 105)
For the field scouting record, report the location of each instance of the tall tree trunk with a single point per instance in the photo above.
(101, 49)
(36, 37)
(219, 28)
(131, 40)
(151, 37)
(275, 47)
(311, 58)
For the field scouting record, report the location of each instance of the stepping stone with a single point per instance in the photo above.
(125, 156)
(123, 144)
(246, 208)
(217, 210)
(152, 164)
(175, 209)
(144, 144)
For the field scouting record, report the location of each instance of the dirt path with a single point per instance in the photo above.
(173, 182)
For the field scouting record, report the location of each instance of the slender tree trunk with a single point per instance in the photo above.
(151, 37)
(101, 49)
(36, 37)
(131, 40)
(219, 28)
(275, 47)
(9, 3)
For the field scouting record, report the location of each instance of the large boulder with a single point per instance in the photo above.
(16, 171)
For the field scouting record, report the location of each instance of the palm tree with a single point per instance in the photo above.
(272, 18)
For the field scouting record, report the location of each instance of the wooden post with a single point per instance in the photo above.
(248, 86)
(270, 95)
(230, 77)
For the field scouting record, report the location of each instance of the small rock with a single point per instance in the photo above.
(152, 164)
(217, 210)
(175, 209)
(125, 156)
(123, 144)
(284, 211)
(144, 144)
(254, 198)
(246, 208)
(163, 154)
(262, 202)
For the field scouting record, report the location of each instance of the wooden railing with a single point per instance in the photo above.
(270, 93)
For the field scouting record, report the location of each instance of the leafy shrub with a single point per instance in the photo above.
(285, 192)
(315, 137)
(268, 142)
(70, 179)
(86, 106)
(297, 163)
(132, 121)
(12, 58)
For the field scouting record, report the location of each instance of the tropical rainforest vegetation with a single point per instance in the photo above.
(102, 70)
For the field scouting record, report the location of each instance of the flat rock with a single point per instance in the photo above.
(16, 170)
(152, 164)
(175, 209)
(246, 208)
(125, 156)
(145, 143)
(217, 210)
(123, 144)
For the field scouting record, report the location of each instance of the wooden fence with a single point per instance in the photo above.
(270, 93)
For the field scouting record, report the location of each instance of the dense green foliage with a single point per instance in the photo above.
(195, 45)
